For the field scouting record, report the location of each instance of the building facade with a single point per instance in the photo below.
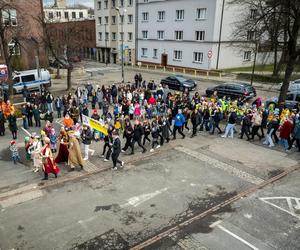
(191, 34)
(80, 35)
(23, 34)
(115, 30)
(60, 12)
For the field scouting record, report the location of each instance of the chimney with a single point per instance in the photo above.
(60, 3)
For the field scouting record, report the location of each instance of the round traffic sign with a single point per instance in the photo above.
(209, 54)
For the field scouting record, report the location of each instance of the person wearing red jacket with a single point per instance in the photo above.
(285, 132)
(152, 100)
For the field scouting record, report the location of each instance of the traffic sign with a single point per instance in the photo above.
(209, 54)
(3, 73)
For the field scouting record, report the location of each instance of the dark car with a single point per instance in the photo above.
(292, 100)
(233, 90)
(179, 83)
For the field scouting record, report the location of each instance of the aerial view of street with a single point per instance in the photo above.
(149, 125)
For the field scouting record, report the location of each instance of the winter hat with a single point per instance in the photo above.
(12, 142)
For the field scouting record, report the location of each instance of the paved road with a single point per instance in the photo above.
(117, 210)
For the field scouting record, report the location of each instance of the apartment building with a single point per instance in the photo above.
(115, 30)
(60, 12)
(23, 34)
(192, 34)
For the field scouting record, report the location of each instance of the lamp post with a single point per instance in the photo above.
(122, 40)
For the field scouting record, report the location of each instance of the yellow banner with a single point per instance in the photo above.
(97, 125)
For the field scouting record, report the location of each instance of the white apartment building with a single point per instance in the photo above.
(59, 12)
(186, 33)
(115, 26)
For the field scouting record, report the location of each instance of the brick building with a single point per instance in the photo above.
(80, 35)
(23, 33)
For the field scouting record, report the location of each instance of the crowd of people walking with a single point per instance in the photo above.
(141, 113)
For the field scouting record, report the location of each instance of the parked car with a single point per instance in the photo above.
(232, 90)
(179, 83)
(292, 100)
(31, 79)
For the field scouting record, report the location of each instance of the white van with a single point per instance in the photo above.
(30, 79)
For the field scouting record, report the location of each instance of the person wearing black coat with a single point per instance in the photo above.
(116, 150)
(246, 125)
(165, 129)
(12, 120)
(195, 119)
(29, 108)
(138, 132)
(128, 135)
(2, 123)
(147, 131)
(86, 137)
(216, 119)
(108, 140)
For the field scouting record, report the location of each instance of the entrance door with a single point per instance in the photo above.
(164, 59)
(114, 58)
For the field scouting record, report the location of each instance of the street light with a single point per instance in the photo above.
(122, 40)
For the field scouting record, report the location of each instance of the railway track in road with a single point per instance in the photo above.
(171, 231)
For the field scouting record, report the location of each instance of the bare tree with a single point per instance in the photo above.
(62, 41)
(276, 22)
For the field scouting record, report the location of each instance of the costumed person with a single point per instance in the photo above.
(116, 150)
(36, 153)
(68, 121)
(49, 165)
(27, 143)
(53, 140)
(15, 156)
(63, 152)
(75, 157)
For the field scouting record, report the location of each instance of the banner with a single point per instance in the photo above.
(96, 125)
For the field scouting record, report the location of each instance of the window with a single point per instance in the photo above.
(200, 35)
(129, 2)
(198, 57)
(113, 19)
(179, 14)
(106, 36)
(160, 35)
(58, 14)
(154, 53)
(106, 19)
(144, 52)
(145, 16)
(129, 36)
(100, 20)
(161, 16)
(113, 36)
(145, 1)
(28, 78)
(177, 55)
(121, 36)
(130, 18)
(80, 14)
(253, 13)
(50, 15)
(66, 15)
(250, 35)
(121, 3)
(201, 13)
(179, 35)
(247, 55)
(121, 18)
(113, 3)
(99, 5)
(73, 14)
(100, 36)
(145, 34)
(105, 4)
(13, 48)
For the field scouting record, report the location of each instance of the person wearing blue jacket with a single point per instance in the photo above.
(178, 124)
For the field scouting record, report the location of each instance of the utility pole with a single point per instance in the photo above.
(122, 40)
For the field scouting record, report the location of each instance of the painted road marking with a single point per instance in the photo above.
(59, 121)
(291, 202)
(237, 237)
(221, 165)
(138, 200)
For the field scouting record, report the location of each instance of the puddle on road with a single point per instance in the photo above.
(113, 207)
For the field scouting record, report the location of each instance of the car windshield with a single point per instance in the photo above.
(182, 79)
